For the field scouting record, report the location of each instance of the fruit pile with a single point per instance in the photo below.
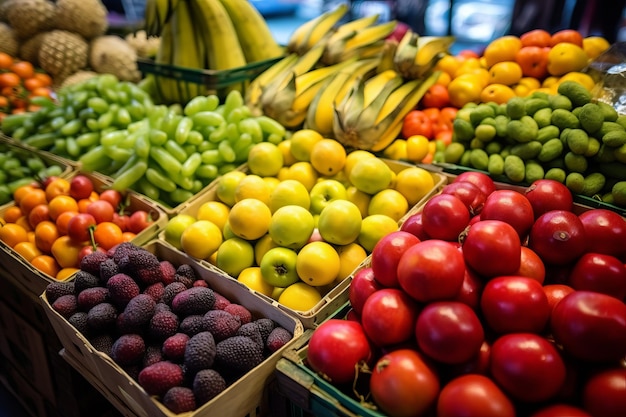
(181, 340)
(20, 83)
(464, 321)
(53, 224)
(563, 136)
(303, 217)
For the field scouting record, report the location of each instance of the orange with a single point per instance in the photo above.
(567, 36)
(9, 79)
(46, 264)
(6, 60)
(60, 204)
(448, 64)
(505, 72)
(23, 69)
(46, 233)
(580, 77)
(66, 273)
(11, 214)
(28, 250)
(12, 234)
(536, 37)
(498, 93)
(35, 197)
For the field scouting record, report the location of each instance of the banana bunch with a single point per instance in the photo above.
(416, 55)
(316, 30)
(370, 115)
(207, 34)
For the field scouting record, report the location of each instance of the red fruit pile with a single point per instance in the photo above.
(490, 302)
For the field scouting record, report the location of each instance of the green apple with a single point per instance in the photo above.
(261, 246)
(234, 255)
(371, 175)
(340, 222)
(265, 159)
(325, 191)
(278, 267)
(289, 192)
(226, 186)
(291, 226)
(373, 228)
(174, 228)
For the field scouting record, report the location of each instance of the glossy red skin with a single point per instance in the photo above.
(601, 273)
(510, 207)
(78, 227)
(479, 364)
(480, 179)
(604, 393)
(558, 237)
(531, 265)
(139, 220)
(470, 290)
(473, 395)
(403, 384)
(387, 253)
(121, 220)
(590, 326)
(363, 285)
(101, 210)
(527, 367)
(413, 224)
(545, 195)
(556, 292)
(336, 347)
(513, 304)
(389, 317)
(444, 217)
(605, 232)
(472, 196)
(449, 332)
(492, 248)
(80, 187)
(432, 270)
(112, 196)
(87, 249)
(560, 410)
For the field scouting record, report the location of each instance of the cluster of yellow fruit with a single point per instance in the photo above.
(301, 218)
(518, 65)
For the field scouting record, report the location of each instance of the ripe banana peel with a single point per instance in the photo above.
(364, 42)
(416, 56)
(313, 31)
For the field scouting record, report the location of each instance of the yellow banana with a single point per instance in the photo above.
(255, 88)
(387, 55)
(156, 13)
(404, 58)
(363, 43)
(429, 46)
(188, 50)
(370, 34)
(313, 31)
(256, 38)
(167, 87)
(374, 86)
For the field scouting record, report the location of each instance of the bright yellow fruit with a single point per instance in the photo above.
(414, 183)
(299, 296)
(502, 49)
(249, 218)
(505, 72)
(566, 57)
(328, 156)
(595, 45)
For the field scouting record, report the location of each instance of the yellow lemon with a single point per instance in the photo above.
(416, 148)
(497, 93)
(328, 156)
(299, 296)
(214, 211)
(595, 45)
(444, 79)
(502, 49)
(302, 142)
(353, 157)
(465, 89)
(371, 175)
(530, 82)
(252, 186)
(261, 246)
(265, 159)
(566, 57)
(414, 183)
(226, 186)
(201, 239)
(359, 198)
(448, 64)
(302, 171)
(373, 228)
(505, 72)
(285, 148)
(317, 263)
(249, 218)
(389, 202)
(350, 256)
(251, 277)
(396, 150)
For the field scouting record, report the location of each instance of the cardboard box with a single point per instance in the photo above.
(246, 396)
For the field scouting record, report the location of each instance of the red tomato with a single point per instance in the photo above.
(432, 270)
(470, 290)
(479, 364)
(590, 326)
(363, 285)
(479, 179)
(386, 255)
(80, 187)
(531, 265)
(402, 384)
(112, 196)
(108, 234)
(416, 122)
(513, 304)
(604, 394)
(523, 360)
(492, 248)
(449, 332)
(472, 196)
(556, 292)
(558, 237)
(511, 207)
(101, 210)
(389, 316)
(139, 220)
(444, 217)
(413, 224)
(473, 395)
(335, 349)
(121, 220)
(436, 96)
(78, 227)
(545, 195)
(605, 231)
(561, 410)
(600, 273)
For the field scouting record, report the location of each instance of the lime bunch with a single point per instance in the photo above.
(168, 153)
(568, 137)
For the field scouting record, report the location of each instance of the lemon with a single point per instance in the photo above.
(353, 157)
(249, 218)
(350, 256)
(261, 246)
(566, 57)
(251, 277)
(226, 186)
(302, 142)
(507, 73)
(300, 297)
(318, 263)
(289, 192)
(414, 183)
(359, 198)
(328, 156)
(502, 93)
(371, 175)
(465, 89)
(303, 172)
(265, 159)
(285, 148)
(595, 45)
(214, 211)
(373, 228)
(252, 186)
(389, 202)
(201, 239)
(416, 148)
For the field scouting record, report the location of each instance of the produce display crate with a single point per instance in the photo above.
(19, 270)
(453, 170)
(338, 295)
(245, 397)
(215, 82)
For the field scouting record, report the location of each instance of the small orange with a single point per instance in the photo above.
(23, 69)
(21, 192)
(11, 214)
(28, 250)
(65, 273)
(6, 60)
(45, 78)
(32, 83)
(63, 219)
(46, 233)
(23, 221)
(60, 204)
(12, 234)
(9, 79)
(46, 264)
(35, 197)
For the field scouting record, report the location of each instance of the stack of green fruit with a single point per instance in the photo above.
(567, 137)
(168, 153)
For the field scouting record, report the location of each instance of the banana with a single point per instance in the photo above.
(255, 36)
(404, 58)
(417, 56)
(255, 88)
(387, 55)
(167, 87)
(314, 30)
(156, 13)
(374, 86)
(187, 50)
(320, 111)
(365, 42)
(429, 46)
